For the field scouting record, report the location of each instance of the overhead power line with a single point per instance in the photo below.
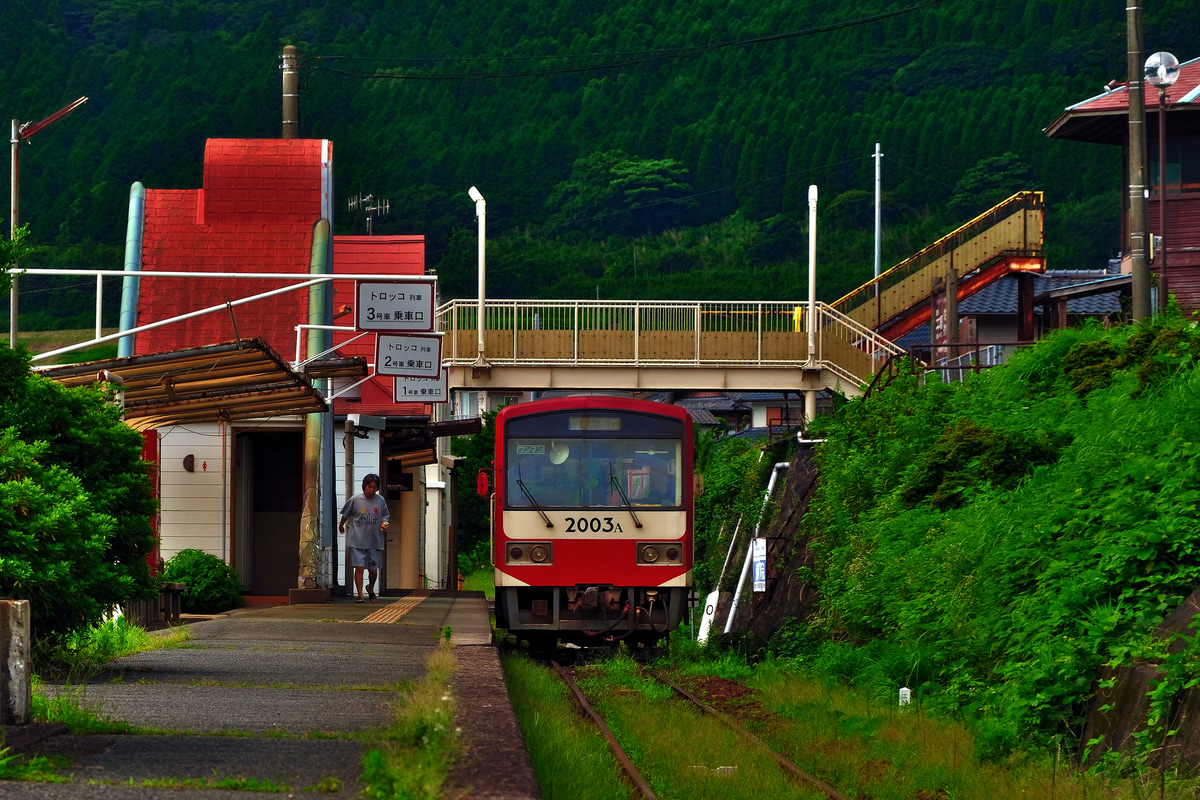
(622, 59)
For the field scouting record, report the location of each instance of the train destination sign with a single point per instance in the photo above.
(394, 305)
(410, 356)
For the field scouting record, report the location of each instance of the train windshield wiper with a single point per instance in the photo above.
(621, 491)
(536, 506)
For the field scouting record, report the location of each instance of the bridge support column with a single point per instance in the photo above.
(810, 406)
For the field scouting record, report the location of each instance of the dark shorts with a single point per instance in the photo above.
(367, 557)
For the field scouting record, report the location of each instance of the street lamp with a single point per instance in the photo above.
(1162, 70)
(20, 132)
(480, 214)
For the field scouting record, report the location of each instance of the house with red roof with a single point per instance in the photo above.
(1173, 198)
(237, 488)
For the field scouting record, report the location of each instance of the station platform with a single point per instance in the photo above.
(289, 694)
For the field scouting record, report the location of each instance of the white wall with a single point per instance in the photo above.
(437, 515)
(195, 506)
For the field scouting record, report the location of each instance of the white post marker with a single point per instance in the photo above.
(710, 611)
(905, 696)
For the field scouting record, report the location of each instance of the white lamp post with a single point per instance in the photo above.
(20, 132)
(1162, 70)
(812, 272)
(480, 214)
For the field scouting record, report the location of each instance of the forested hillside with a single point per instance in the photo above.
(626, 148)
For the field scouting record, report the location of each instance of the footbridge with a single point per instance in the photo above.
(776, 346)
(656, 346)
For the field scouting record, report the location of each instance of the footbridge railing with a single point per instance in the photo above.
(1008, 237)
(661, 334)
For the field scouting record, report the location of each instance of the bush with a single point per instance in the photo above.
(212, 585)
(75, 502)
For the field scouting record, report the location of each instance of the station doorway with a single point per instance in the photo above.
(269, 481)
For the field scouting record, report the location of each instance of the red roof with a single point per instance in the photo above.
(1105, 118)
(256, 212)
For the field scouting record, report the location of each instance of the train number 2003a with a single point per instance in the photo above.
(593, 525)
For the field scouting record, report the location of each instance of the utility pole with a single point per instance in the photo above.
(1139, 265)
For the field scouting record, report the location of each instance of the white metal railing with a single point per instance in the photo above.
(584, 333)
(296, 281)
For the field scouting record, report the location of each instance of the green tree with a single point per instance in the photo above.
(75, 501)
(990, 181)
(11, 251)
(616, 192)
(474, 518)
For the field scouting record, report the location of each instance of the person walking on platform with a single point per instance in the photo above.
(367, 515)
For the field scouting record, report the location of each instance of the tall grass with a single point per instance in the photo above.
(874, 747)
(569, 755)
(414, 758)
(81, 653)
(481, 580)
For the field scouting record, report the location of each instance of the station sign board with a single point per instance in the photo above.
(422, 390)
(401, 306)
(408, 356)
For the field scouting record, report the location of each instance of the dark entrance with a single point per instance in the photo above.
(270, 499)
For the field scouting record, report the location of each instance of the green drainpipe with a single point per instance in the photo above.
(310, 518)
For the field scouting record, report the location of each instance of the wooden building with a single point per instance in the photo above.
(1104, 119)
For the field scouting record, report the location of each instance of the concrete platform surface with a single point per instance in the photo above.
(287, 694)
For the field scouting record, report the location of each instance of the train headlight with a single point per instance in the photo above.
(529, 553)
(660, 553)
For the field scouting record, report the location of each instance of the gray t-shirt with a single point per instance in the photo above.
(363, 517)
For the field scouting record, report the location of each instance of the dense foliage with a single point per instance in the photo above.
(734, 471)
(473, 532)
(212, 585)
(75, 501)
(990, 544)
(630, 149)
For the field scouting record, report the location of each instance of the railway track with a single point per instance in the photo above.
(639, 782)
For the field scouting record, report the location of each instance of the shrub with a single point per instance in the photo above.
(75, 502)
(212, 586)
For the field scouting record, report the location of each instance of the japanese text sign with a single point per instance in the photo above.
(394, 305)
(411, 356)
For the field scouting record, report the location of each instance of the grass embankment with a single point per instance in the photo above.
(861, 747)
(45, 341)
(482, 580)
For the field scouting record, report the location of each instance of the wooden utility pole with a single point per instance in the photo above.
(1139, 265)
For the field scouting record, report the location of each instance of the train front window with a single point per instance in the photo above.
(592, 472)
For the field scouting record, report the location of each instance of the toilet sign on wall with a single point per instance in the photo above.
(394, 305)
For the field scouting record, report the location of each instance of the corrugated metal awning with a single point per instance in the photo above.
(233, 380)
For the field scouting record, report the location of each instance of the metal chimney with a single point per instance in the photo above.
(291, 92)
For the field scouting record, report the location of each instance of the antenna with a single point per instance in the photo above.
(374, 207)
